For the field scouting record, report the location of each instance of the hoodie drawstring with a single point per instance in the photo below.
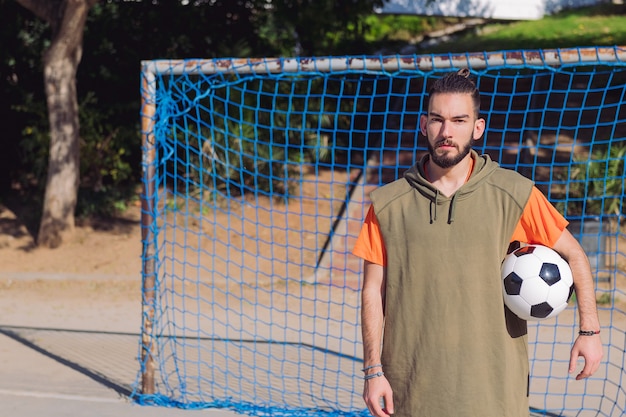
(452, 208)
(433, 208)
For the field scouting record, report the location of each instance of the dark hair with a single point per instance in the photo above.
(457, 83)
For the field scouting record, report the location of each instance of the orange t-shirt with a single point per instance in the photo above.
(540, 223)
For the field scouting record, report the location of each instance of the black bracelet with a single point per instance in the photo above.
(588, 332)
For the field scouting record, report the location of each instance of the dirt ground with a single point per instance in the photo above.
(91, 282)
(99, 268)
(111, 247)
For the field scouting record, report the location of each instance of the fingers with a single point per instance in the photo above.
(589, 369)
(375, 390)
(377, 410)
(591, 351)
(573, 358)
(388, 399)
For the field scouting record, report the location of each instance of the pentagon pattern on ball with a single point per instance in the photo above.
(536, 282)
(541, 311)
(550, 273)
(525, 250)
(512, 284)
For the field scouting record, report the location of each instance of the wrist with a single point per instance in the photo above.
(374, 375)
(372, 367)
(373, 371)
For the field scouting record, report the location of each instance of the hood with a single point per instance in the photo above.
(484, 167)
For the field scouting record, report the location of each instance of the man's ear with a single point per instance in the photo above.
(423, 122)
(479, 128)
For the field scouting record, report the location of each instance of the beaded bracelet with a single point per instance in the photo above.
(376, 375)
(588, 332)
(367, 368)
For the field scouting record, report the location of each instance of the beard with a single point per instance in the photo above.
(445, 161)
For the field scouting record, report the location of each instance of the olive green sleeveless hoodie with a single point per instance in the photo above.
(450, 347)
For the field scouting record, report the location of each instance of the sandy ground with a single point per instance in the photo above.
(93, 282)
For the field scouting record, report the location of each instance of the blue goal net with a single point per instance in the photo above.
(256, 181)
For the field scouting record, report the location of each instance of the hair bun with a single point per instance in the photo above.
(464, 72)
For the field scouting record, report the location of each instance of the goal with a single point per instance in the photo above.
(256, 175)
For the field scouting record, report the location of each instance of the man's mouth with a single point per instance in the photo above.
(445, 145)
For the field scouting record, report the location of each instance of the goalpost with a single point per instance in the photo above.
(256, 181)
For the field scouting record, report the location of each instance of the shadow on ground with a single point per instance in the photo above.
(108, 358)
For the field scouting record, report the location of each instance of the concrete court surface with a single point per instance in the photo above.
(33, 384)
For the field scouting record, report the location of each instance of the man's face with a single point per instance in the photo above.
(451, 127)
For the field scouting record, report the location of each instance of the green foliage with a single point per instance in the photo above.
(120, 34)
(22, 101)
(104, 203)
(598, 26)
(106, 175)
(604, 299)
(105, 171)
(597, 185)
(34, 144)
(254, 142)
(393, 28)
(318, 27)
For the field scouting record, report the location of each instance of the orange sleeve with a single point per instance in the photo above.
(540, 223)
(369, 245)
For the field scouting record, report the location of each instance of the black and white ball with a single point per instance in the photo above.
(536, 282)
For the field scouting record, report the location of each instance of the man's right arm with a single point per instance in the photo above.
(372, 321)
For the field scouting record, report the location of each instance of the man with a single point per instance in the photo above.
(437, 338)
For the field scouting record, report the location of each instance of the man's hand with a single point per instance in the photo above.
(590, 348)
(374, 390)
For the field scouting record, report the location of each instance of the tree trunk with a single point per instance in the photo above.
(67, 21)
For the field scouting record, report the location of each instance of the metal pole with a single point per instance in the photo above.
(148, 111)
(473, 60)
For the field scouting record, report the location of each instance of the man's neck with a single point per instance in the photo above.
(449, 180)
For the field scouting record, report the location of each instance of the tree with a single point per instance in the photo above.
(200, 28)
(66, 19)
(318, 26)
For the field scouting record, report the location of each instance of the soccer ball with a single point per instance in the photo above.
(536, 282)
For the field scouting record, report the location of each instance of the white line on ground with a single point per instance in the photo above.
(37, 394)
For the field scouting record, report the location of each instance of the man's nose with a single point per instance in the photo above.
(446, 129)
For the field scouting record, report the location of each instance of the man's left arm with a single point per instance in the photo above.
(588, 347)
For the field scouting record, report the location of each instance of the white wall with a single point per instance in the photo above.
(491, 9)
